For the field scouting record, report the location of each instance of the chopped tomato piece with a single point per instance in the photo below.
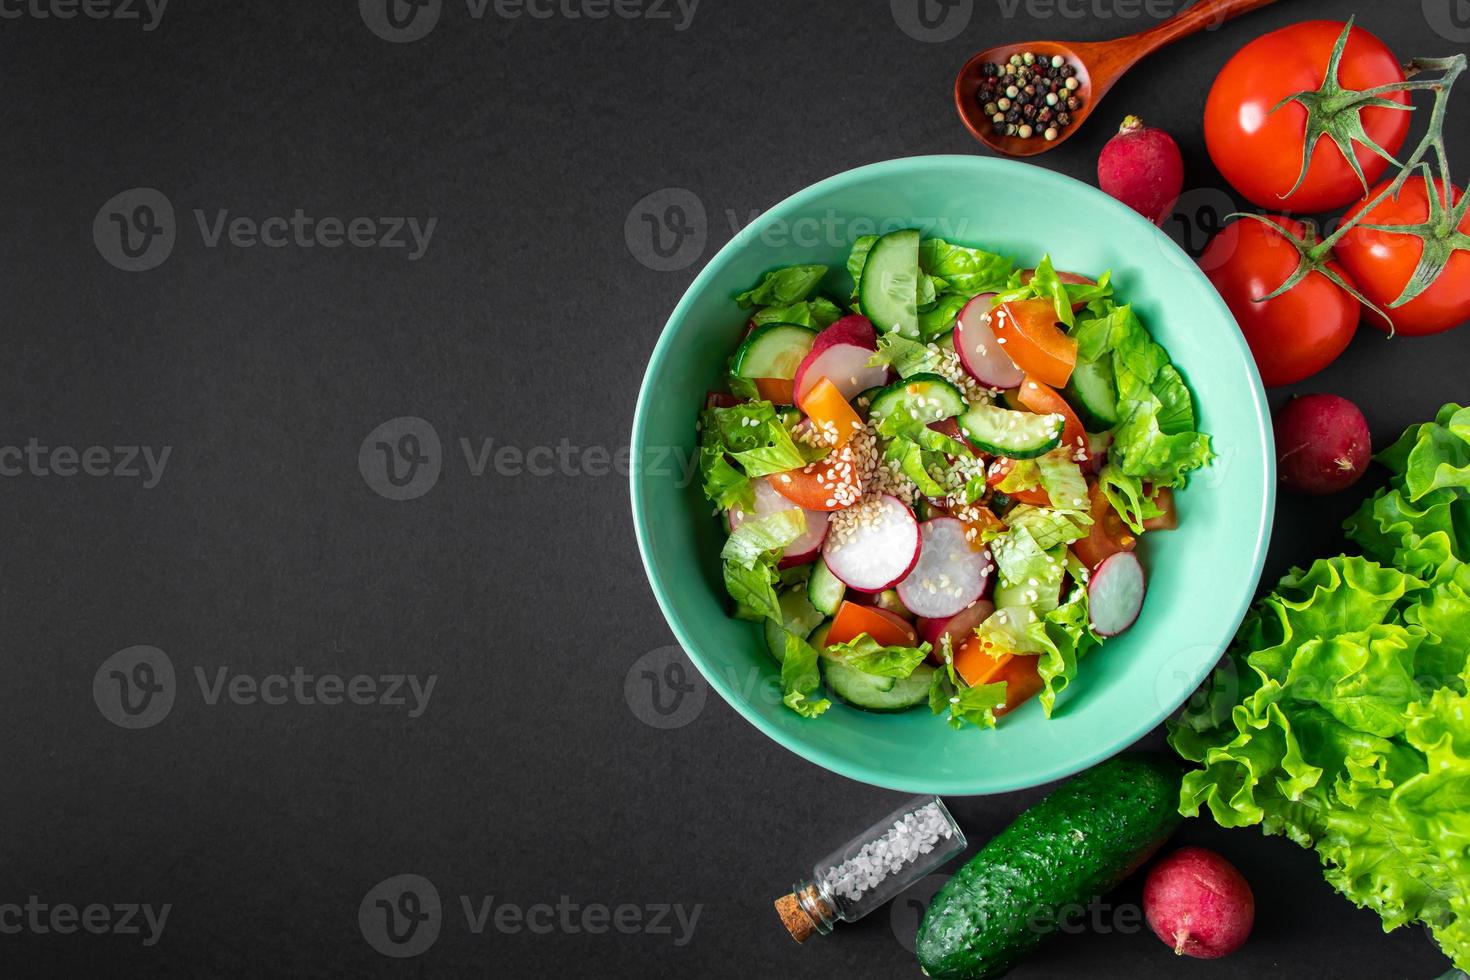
(1028, 330)
(887, 628)
(1043, 399)
(979, 518)
(979, 665)
(777, 391)
(831, 483)
(1169, 519)
(1108, 534)
(720, 399)
(834, 418)
(998, 472)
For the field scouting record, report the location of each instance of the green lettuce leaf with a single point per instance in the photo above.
(754, 538)
(871, 657)
(905, 356)
(800, 678)
(964, 271)
(816, 313)
(783, 287)
(1127, 497)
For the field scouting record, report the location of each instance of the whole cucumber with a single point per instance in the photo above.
(1075, 845)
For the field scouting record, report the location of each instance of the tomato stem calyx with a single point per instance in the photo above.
(1336, 112)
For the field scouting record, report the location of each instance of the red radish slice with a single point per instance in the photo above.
(874, 545)
(949, 575)
(981, 355)
(768, 502)
(1115, 593)
(846, 365)
(854, 329)
(719, 399)
(959, 627)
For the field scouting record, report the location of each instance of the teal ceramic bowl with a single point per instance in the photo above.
(1201, 576)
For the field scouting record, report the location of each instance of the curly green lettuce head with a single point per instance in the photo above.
(1341, 719)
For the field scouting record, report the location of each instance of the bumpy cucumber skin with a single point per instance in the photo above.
(1076, 844)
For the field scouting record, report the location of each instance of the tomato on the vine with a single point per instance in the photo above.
(1300, 332)
(1257, 133)
(1382, 262)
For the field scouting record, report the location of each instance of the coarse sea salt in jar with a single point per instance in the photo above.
(872, 868)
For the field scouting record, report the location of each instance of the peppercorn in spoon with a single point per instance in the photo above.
(1025, 98)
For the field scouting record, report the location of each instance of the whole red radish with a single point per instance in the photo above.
(1198, 904)
(1142, 168)
(1322, 444)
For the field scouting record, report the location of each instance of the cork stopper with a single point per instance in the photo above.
(794, 918)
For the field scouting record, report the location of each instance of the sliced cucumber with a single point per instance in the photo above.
(1094, 393)
(924, 398)
(773, 350)
(881, 694)
(864, 401)
(1016, 435)
(798, 617)
(824, 590)
(889, 290)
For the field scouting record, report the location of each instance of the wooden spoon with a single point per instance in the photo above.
(1099, 65)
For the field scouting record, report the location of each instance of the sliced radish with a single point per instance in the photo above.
(1115, 593)
(768, 502)
(854, 329)
(875, 544)
(845, 365)
(719, 399)
(958, 627)
(981, 355)
(949, 575)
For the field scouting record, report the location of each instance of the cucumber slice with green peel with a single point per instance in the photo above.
(881, 694)
(1093, 392)
(1015, 435)
(924, 398)
(798, 617)
(825, 590)
(863, 403)
(889, 290)
(773, 350)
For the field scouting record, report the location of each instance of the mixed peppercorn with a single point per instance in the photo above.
(1030, 95)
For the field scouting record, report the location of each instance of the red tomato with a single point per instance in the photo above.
(831, 483)
(1299, 332)
(887, 628)
(1382, 262)
(1044, 400)
(1035, 342)
(1260, 152)
(1108, 534)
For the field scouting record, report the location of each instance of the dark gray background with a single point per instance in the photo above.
(528, 321)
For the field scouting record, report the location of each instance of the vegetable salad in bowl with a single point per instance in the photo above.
(934, 488)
